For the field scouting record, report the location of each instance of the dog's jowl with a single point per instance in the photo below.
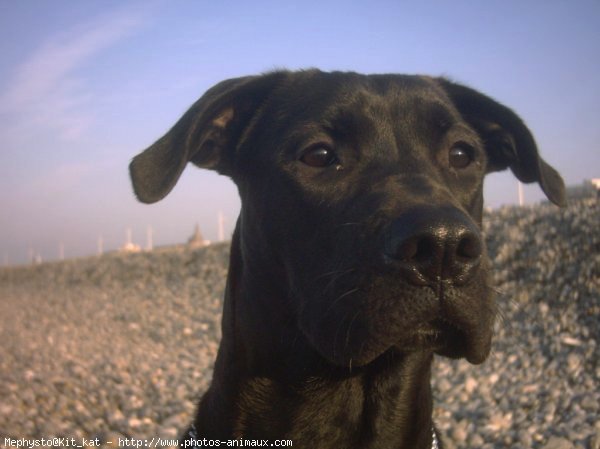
(358, 252)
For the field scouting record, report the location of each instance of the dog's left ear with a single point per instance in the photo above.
(508, 142)
(207, 135)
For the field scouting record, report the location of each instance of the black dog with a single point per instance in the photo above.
(358, 251)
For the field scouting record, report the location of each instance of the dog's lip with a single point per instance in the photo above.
(478, 351)
(438, 334)
(448, 339)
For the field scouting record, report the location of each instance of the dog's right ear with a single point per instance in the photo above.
(207, 135)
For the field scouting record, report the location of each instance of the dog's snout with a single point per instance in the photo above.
(429, 244)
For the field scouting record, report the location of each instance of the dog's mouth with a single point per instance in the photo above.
(446, 338)
(389, 315)
(441, 336)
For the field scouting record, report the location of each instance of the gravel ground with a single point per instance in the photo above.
(121, 346)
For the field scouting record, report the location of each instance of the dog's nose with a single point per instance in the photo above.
(429, 244)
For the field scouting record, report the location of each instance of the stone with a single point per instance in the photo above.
(471, 384)
(558, 443)
(167, 432)
(595, 440)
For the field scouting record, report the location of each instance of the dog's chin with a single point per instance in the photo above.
(474, 351)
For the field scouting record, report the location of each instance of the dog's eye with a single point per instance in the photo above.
(319, 156)
(460, 156)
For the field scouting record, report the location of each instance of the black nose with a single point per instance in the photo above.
(429, 244)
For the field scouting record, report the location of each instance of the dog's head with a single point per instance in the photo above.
(362, 196)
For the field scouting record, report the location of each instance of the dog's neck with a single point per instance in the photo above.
(262, 390)
(375, 407)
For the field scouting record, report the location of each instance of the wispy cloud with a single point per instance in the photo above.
(60, 180)
(45, 90)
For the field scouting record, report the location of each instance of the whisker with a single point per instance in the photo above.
(497, 290)
(347, 339)
(333, 280)
(334, 273)
(350, 224)
(510, 306)
(339, 298)
(350, 327)
(343, 295)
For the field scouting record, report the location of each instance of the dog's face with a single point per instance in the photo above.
(362, 196)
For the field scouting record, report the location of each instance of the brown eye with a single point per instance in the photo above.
(460, 156)
(319, 156)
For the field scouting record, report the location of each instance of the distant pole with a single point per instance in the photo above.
(61, 251)
(100, 245)
(521, 196)
(149, 238)
(128, 232)
(31, 258)
(221, 227)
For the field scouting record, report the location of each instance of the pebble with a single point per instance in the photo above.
(470, 384)
(595, 440)
(123, 345)
(459, 432)
(558, 443)
(167, 432)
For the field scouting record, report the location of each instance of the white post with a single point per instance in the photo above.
(128, 242)
(221, 236)
(149, 239)
(521, 196)
(100, 245)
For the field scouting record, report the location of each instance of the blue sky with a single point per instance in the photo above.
(84, 86)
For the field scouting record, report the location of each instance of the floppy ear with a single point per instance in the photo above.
(207, 135)
(508, 142)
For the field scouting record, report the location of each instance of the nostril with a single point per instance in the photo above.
(426, 249)
(406, 251)
(419, 249)
(469, 247)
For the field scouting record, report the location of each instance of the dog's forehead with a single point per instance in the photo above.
(313, 96)
(344, 82)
